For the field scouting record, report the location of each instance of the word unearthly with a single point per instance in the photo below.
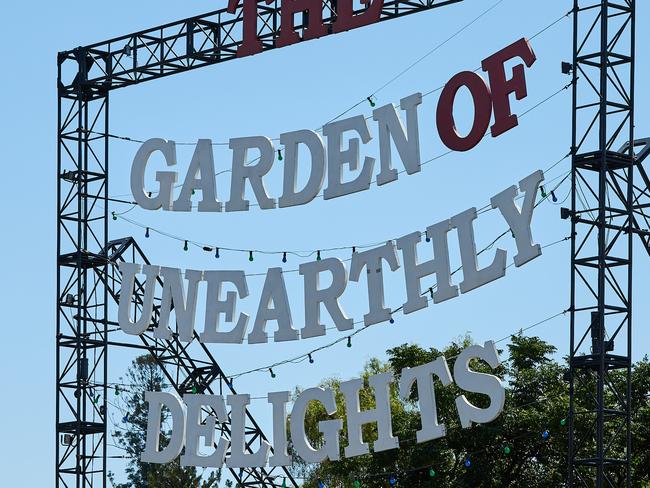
(195, 417)
(274, 301)
(330, 156)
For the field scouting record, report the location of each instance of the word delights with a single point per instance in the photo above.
(194, 418)
(274, 303)
(329, 155)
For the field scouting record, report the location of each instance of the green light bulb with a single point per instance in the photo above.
(506, 450)
(357, 483)
(432, 472)
(563, 422)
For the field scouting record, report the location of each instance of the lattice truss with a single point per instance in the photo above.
(88, 283)
(610, 201)
(195, 42)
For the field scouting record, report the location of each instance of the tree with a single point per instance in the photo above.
(525, 446)
(144, 375)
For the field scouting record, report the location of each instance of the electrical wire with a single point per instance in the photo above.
(538, 33)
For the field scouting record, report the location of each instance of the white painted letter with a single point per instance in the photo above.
(274, 291)
(519, 220)
(414, 271)
(197, 428)
(407, 141)
(372, 261)
(474, 382)
(314, 144)
(329, 296)
(241, 171)
(472, 276)
(337, 157)
(216, 306)
(423, 375)
(166, 179)
(239, 458)
(328, 428)
(185, 310)
(381, 414)
(129, 270)
(279, 401)
(176, 407)
(202, 164)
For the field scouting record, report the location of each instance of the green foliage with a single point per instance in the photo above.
(511, 451)
(145, 375)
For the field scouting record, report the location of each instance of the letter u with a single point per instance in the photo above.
(129, 270)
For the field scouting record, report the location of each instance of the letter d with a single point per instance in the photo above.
(156, 400)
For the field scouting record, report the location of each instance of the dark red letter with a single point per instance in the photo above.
(482, 111)
(250, 43)
(504, 119)
(315, 27)
(346, 20)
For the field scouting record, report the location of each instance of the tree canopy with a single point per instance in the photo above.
(526, 445)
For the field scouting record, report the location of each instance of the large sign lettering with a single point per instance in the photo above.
(328, 159)
(194, 417)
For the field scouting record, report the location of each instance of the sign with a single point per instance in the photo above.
(192, 427)
(274, 306)
(195, 417)
(327, 153)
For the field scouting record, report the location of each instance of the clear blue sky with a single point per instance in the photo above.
(293, 88)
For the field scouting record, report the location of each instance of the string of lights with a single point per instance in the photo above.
(392, 476)
(372, 98)
(120, 387)
(219, 249)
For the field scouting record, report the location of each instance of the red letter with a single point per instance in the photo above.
(501, 88)
(482, 111)
(250, 43)
(315, 27)
(346, 20)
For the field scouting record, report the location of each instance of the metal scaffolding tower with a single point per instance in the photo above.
(609, 201)
(87, 278)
